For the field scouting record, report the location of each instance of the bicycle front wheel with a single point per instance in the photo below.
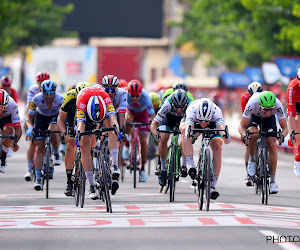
(171, 174)
(134, 163)
(76, 182)
(82, 184)
(200, 189)
(207, 178)
(46, 173)
(265, 176)
(104, 177)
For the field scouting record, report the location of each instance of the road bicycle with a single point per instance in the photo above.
(173, 167)
(47, 168)
(79, 180)
(205, 175)
(261, 179)
(135, 157)
(102, 169)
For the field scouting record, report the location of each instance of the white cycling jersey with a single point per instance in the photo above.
(253, 107)
(32, 91)
(38, 104)
(13, 110)
(191, 117)
(120, 101)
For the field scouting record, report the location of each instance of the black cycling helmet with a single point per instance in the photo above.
(180, 85)
(179, 98)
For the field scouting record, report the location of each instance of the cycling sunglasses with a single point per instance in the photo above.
(110, 90)
(267, 109)
(135, 96)
(49, 93)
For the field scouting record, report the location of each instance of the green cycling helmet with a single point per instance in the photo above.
(267, 99)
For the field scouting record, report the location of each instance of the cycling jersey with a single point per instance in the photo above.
(13, 111)
(69, 102)
(244, 99)
(33, 90)
(142, 104)
(253, 107)
(170, 91)
(293, 97)
(83, 99)
(167, 108)
(191, 117)
(120, 101)
(38, 104)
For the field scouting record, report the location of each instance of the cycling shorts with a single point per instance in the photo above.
(142, 117)
(268, 124)
(42, 122)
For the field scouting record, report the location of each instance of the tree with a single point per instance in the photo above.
(242, 32)
(29, 23)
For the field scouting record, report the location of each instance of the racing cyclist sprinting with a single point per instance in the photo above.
(261, 109)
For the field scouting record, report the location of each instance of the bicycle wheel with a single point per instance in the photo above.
(76, 179)
(103, 175)
(265, 176)
(171, 174)
(134, 163)
(82, 179)
(260, 178)
(200, 189)
(207, 178)
(47, 169)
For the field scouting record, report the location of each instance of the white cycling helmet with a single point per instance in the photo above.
(205, 108)
(254, 87)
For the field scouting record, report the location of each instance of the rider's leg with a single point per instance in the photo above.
(216, 146)
(271, 145)
(163, 150)
(55, 141)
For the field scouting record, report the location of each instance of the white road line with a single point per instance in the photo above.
(284, 245)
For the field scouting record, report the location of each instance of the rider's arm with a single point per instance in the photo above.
(291, 124)
(113, 120)
(61, 121)
(153, 127)
(18, 132)
(243, 126)
(283, 125)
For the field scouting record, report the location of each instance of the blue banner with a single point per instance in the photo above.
(288, 66)
(235, 79)
(176, 66)
(255, 74)
(4, 71)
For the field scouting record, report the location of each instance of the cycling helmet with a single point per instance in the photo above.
(123, 84)
(267, 99)
(96, 108)
(135, 87)
(5, 81)
(80, 86)
(181, 85)
(4, 97)
(110, 81)
(154, 99)
(48, 86)
(205, 108)
(254, 87)
(42, 76)
(179, 98)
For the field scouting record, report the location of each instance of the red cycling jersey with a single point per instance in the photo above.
(83, 99)
(293, 97)
(244, 99)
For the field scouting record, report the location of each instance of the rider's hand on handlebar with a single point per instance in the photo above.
(246, 140)
(29, 133)
(280, 139)
(227, 140)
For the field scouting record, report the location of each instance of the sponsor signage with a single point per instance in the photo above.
(255, 74)
(288, 66)
(235, 79)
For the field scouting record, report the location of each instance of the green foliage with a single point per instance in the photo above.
(243, 32)
(30, 22)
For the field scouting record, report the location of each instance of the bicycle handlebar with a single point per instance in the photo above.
(137, 124)
(47, 132)
(175, 132)
(293, 135)
(207, 130)
(99, 131)
(262, 133)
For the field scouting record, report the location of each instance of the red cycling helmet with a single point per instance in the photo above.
(123, 84)
(5, 81)
(135, 87)
(42, 76)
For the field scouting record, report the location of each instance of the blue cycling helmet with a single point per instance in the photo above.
(48, 86)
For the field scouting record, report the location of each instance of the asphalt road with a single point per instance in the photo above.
(143, 218)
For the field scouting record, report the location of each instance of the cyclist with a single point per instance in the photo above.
(32, 91)
(44, 109)
(139, 108)
(252, 88)
(66, 117)
(204, 113)
(178, 85)
(156, 102)
(168, 117)
(293, 97)
(261, 109)
(94, 106)
(9, 125)
(6, 85)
